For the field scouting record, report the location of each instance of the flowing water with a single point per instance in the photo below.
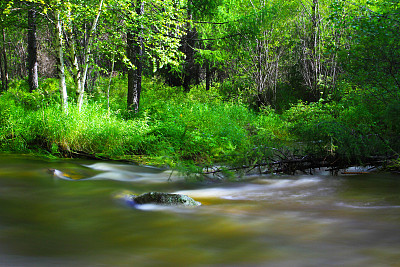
(320, 220)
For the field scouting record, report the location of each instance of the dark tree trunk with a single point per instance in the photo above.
(32, 50)
(3, 63)
(313, 46)
(208, 76)
(2, 74)
(188, 44)
(313, 61)
(135, 55)
(188, 50)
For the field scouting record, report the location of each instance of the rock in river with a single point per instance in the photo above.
(160, 198)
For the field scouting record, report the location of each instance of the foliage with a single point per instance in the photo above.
(171, 127)
(351, 127)
(372, 59)
(296, 77)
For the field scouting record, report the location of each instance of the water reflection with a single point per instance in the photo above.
(268, 221)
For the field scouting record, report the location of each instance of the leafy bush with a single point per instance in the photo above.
(335, 127)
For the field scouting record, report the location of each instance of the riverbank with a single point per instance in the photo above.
(200, 129)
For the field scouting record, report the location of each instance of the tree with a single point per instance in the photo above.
(3, 61)
(250, 45)
(153, 34)
(188, 45)
(135, 48)
(192, 44)
(80, 80)
(79, 36)
(317, 62)
(4, 21)
(32, 49)
(372, 58)
(60, 60)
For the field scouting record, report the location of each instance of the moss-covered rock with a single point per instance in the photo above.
(165, 199)
(158, 198)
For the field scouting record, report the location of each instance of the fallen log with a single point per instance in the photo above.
(306, 164)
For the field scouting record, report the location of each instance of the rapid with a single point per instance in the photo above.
(72, 218)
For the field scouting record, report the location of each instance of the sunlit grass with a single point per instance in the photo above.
(173, 127)
(170, 127)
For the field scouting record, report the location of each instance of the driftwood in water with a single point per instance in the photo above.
(82, 154)
(306, 164)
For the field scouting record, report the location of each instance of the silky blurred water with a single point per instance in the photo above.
(319, 220)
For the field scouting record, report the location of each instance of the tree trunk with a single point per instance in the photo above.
(32, 50)
(109, 81)
(208, 75)
(86, 55)
(2, 74)
(76, 71)
(188, 50)
(60, 62)
(312, 61)
(1, 71)
(135, 55)
(4, 69)
(73, 57)
(314, 45)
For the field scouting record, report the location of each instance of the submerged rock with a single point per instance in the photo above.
(160, 198)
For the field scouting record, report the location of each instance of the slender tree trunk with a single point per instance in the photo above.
(135, 55)
(208, 75)
(109, 82)
(60, 61)
(73, 56)
(188, 49)
(4, 69)
(313, 62)
(1, 71)
(314, 44)
(32, 50)
(76, 71)
(86, 56)
(2, 74)
(311, 67)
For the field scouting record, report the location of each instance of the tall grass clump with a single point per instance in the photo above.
(30, 123)
(171, 127)
(203, 128)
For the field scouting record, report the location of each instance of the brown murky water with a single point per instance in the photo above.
(262, 221)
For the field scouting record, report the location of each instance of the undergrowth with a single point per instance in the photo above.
(200, 128)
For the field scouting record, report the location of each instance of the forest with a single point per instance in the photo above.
(278, 86)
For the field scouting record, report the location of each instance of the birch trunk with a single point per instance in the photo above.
(73, 57)
(76, 71)
(85, 67)
(60, 61)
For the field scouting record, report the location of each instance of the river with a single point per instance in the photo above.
(305, 220)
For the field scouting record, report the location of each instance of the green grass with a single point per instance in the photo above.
(171, 127)
(174, 128)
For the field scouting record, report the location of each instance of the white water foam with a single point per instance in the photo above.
(267, 189)
(130, 173)
(341, 204)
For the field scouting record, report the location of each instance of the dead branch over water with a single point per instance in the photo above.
(305, 164)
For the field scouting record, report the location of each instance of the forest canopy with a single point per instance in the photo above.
(201, 82)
